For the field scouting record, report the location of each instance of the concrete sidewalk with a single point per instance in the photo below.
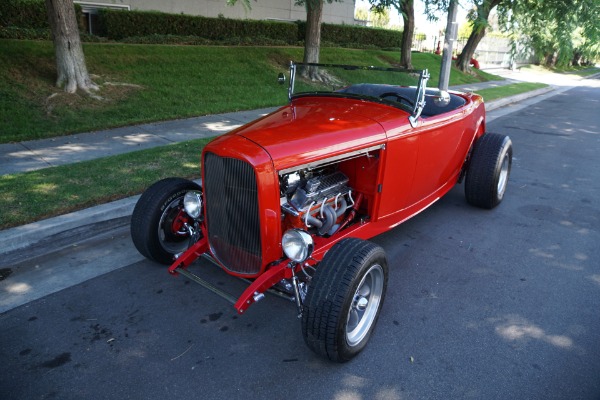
(37, 154)
(57, 233)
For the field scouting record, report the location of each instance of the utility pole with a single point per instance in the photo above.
(449, 39)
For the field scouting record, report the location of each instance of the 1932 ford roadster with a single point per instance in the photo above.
(288, 201)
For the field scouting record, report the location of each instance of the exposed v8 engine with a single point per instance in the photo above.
(315, 200)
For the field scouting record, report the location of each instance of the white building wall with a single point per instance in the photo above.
(285, 10)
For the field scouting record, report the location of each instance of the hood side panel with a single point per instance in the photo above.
(317, 127)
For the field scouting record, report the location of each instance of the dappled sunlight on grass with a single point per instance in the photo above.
(44, 188)
(192, 165)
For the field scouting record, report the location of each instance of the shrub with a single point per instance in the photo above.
(13, 32)
(28, 17)
(355, 36)
(167, 39)
(30, 14)
(123, 24)
(133, 26)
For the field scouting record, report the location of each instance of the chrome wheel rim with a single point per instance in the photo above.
(172, 242)
(503, 177)
(365, 305)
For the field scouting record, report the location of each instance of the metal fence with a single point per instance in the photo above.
(491, 51)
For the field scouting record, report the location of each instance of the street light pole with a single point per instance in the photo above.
(449, 39)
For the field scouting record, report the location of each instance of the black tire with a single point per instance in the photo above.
(351, 276)
(152, 220)
(489, 170)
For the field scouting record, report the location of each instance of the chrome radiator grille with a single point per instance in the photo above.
(232, 213)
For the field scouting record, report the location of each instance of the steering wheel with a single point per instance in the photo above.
(399, 98)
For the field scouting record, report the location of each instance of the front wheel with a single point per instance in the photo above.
(159, 223)
(488, 170)
(344, 299)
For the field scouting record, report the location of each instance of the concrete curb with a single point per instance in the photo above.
(493, 105)
(15, 241)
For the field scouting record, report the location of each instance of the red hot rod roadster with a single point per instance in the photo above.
(288, 201)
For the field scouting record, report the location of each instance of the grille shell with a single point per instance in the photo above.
(232, 215)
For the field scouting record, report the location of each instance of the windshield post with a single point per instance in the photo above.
(420, 100)
(292, 80)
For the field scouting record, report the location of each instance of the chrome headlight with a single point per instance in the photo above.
(297, 245)
(192, 202)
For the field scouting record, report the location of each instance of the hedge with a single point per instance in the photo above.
(119, 25)
(355, 36)
(30, 16)
(15, 32)
(26, 19)
(123, 24)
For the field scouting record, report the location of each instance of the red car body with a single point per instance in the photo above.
(388, 169)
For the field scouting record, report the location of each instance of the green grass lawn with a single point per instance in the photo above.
(31, 196)
(176, 82)
(509, 90)
(171, 82)
(587, 71)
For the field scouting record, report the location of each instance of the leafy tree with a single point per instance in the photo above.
(560, 32)
(362, 13)
(407, 9)
(378, 18)
(381, 19)
(70, 62)
(465, 29)
(479, 16)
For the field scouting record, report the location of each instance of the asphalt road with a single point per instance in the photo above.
(501, 304)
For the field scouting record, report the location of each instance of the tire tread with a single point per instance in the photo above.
(481, 180)
(325, 300)
(144, 219)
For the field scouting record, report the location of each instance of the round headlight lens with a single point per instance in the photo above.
(192, 202)
(297, 245)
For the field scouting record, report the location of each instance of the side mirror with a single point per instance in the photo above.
(281, 78)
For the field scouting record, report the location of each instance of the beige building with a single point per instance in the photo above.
(279, 10)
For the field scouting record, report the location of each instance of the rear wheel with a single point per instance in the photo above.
(158, 223)
(344, 299)
(489, 170)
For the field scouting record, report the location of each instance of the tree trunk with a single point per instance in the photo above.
(483, 12)
(408, 16)
(312, 40)
(464, 59)
(70, 62)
